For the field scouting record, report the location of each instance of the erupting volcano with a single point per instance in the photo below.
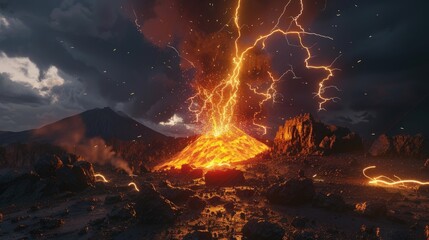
(210, 150)
(215, 103)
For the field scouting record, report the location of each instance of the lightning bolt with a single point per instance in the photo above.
(269, 94)
(217, 105)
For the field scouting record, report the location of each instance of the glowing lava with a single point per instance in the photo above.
(211, 150)
(389, 182)
(215, 105)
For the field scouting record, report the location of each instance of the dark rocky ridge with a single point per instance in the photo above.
(399, 146)
(302, 135)
(103, 123)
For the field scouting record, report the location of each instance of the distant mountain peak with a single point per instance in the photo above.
(104, 123)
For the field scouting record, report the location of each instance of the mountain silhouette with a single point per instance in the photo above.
(103, 123)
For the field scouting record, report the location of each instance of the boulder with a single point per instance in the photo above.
(223, 178)
(46, 165)
(76, 177)
(191, 172)
(152, 208)
(262, 230)
(408, 146)
(303, 135)
(399, 145)
(176, 194)
(292, 192)
(381, 146)
(196, 203)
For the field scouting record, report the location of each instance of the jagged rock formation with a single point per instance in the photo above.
(399, 145)
(303, 135)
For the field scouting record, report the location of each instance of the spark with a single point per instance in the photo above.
(217, 105)
(386, 181)
(178, 54)
(103, 179)
(134, 185)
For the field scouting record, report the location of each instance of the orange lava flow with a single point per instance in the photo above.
(211, 151)
(386, 181)
(134, 185)
(101, 177)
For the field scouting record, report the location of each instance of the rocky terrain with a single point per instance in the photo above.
(309, 186)
(302, 135)
(284, 198)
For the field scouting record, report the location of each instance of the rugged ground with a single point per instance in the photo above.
(114, 210)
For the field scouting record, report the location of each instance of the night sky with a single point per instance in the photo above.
(61, 57)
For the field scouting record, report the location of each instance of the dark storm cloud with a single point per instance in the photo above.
(106, 61)
(384, 62)
(102, 52)
(18, 94)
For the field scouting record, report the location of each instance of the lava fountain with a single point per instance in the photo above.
(214, 105)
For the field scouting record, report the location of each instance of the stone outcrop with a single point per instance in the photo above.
(399, 145)
(303, 135)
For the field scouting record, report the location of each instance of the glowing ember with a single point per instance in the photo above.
(134, 185)
(211, 150)
(100, 177)
(386, 181)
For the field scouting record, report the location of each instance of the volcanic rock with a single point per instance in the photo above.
(303, 135)
(196, 203)
(198, 235)
(153, 208)
(123, 213)
(299, 222)
(114, 199)
(189, 171)
(176, 194)
(292, 192)
(399, 145)
(223, 178)
(262, 230)
(245, 192)
(372, 208)
(25, 187)
(46, 165)
(76, 177)
(381, 146)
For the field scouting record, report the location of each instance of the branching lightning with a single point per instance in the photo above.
(269, 94)
(217, 105)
